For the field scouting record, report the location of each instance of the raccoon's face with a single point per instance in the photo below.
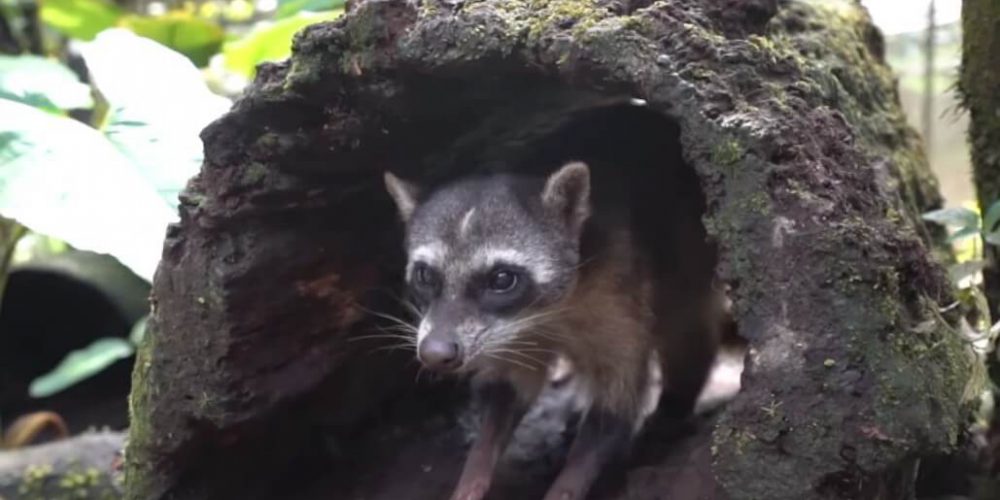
(489, 258)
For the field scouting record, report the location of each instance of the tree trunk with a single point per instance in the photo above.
(978, 85)
(786, 118)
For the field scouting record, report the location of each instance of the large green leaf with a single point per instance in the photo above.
(287, 8)
(961, 272)
(269, 41)
(963, 233)
(81, 364)
(81, 19)
(138, 330)
(156, 114)
(42, 83)
(196, 38)
(992, 217)
(63, 178)
(993, 238)
(953, 216)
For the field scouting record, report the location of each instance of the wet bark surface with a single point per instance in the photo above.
(253, 381)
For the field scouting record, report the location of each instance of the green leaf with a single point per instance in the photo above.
(42, 83)
(963, 233)
(992, 216)
(993, 238)
(196, 38)
(269, 41)
(81, 364)
(138, 331)
(155, 115)
(953, 216)
(960, 272)
(287, 8)
(63, 178)
(81, 19)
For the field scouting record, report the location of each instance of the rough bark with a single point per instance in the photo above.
(786, 117)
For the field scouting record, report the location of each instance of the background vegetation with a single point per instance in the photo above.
(102, 103)
(101, 106)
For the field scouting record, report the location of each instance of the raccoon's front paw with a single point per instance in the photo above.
(474, 490)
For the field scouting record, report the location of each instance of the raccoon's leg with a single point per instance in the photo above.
(503, 410)
(602, 438)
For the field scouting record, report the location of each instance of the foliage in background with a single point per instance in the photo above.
(110, 186)
(968, 233)
(268, 42)
(198, 30)
(42, 83)
(86, 362)
(96, 158)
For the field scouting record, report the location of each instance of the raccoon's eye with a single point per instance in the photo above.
(423, 275)
(502, 281)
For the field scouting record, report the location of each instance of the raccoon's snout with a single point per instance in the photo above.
(440, 353)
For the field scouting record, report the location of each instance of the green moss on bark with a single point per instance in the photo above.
(813, 181)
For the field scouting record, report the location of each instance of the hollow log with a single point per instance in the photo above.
(778, 122)
(78, 467)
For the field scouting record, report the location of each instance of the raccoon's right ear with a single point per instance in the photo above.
(567, 193)
(404, 193)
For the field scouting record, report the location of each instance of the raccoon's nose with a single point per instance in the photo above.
(439, 353)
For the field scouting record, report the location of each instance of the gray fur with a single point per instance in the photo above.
(464, 228)
(403, 193)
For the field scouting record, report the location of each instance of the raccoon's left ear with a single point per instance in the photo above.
(567, 193)
(403, 193)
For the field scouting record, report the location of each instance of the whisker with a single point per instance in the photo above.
(400, 328)
(380, 336)
(386, 316)
(508, 360)
(521, 357)
(403, 347)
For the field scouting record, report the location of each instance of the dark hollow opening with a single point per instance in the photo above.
(410, 440)
(96, 297)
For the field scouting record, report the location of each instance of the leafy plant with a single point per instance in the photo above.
(80, 19)
(966, 223)
(110, 185)
(83, 363)
(287, 8)
(109, 188)
(198, 39)
(269, 41)
(42, 83)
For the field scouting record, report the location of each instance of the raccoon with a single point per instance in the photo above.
(513, 272)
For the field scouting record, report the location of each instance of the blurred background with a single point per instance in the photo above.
(101, 104)
(924, 47)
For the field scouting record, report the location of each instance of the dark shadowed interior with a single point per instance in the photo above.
(411, 442)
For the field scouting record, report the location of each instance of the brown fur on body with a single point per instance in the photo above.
(623, 311)
(633, 310)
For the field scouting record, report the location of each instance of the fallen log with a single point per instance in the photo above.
(78, 467)
(776, 124)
